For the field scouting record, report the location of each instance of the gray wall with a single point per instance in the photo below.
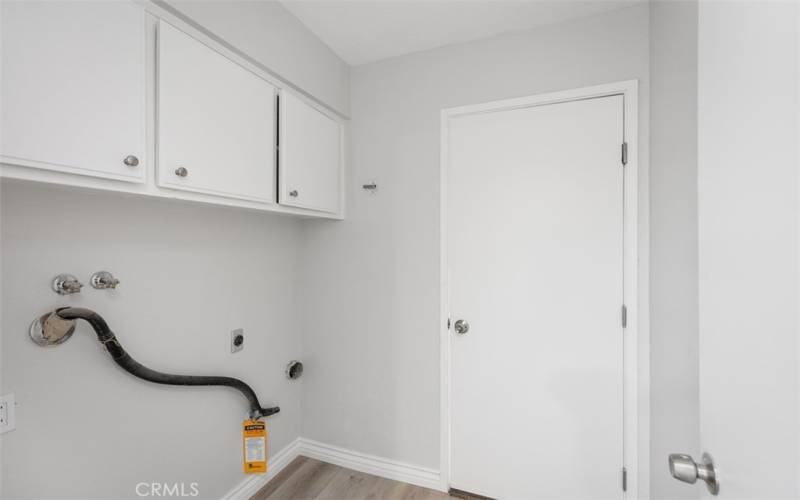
(673, 242)
(190, 274)
(372, 281)
(367, 288)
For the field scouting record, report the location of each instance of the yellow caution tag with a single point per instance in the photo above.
(254, 433)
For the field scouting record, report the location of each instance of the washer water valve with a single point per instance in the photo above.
(66, 284)
(102, 280)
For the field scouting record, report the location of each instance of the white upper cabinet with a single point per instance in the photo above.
(310, 156)
(216, 123)
(73, 87)
(97, 92)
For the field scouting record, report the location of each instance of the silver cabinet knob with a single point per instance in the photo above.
(131, 161)
(461, 327)
(684, 468)
(293, 193)
(181, 172)
(66, 284)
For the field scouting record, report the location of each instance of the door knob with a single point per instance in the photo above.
(131, 161)
(293, 193)
(684, 468)
(181, 172)
(461, 327)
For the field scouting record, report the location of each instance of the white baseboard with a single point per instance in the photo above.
(254, 482)
(362, 462)
(371, 464)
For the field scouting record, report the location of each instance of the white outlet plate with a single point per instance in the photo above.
(7, 410)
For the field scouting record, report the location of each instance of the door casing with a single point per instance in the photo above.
(636, 405)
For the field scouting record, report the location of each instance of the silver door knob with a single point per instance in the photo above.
(181, 172)
(684, 468)
(461, 327)
(293, 193)
(131, 161)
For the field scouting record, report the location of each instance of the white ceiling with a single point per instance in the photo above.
(364, 31)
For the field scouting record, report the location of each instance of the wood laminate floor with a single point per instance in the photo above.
(307, 479)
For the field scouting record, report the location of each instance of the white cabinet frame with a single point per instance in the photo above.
(247, 161)
(138, 143)
(284, 157)
(153, 12)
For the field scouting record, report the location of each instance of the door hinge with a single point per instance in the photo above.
(624, 314)
(448, 323)
(624, 153)
(624, 479)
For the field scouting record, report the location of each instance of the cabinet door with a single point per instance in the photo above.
(216, 122)
(310, 156)
(73, 87)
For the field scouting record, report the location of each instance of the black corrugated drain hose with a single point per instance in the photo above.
(130, 365)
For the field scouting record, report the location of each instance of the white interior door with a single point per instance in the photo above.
(748, 248)
(535, 251)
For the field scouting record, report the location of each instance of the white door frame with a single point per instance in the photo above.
(636, 359)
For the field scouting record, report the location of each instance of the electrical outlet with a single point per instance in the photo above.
(7, 407)
(237, 340)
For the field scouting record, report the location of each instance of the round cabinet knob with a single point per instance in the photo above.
(461, 327)
(181, 172)
(131, 161)
(293, 193)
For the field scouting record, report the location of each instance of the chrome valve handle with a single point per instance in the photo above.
(103, 279)
(66, 284)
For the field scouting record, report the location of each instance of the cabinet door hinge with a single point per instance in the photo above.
(624, 479)
(624, 153)
(278, 159)
(448, 323)
(624, 314)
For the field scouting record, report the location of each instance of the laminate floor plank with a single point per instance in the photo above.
(349, 484)
(279, 479)
(309, 479)
(306, 482)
